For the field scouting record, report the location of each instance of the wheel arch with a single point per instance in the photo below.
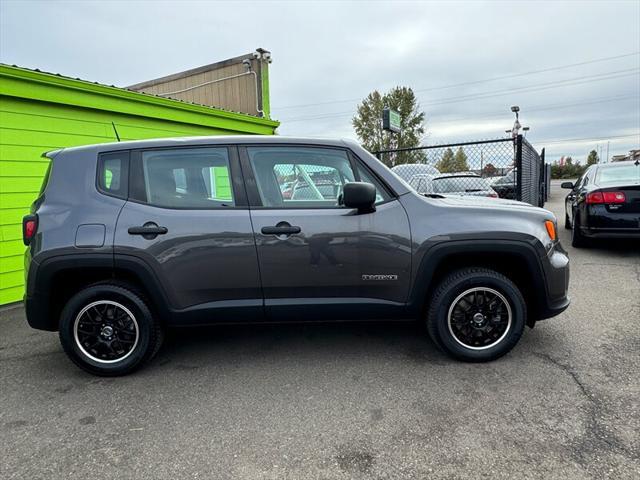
(518, 261)
(58, 278)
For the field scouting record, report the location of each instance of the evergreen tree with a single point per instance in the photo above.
(460, 161)
(368, 125)
(447, 163)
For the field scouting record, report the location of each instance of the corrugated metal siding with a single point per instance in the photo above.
(29, 127)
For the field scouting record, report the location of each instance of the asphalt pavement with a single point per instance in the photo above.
(342, 401)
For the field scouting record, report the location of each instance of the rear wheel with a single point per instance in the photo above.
(108, 329)
(476, 315)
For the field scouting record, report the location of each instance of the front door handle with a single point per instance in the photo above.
(149, 230)
(282, 228)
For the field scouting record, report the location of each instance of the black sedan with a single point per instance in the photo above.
(604, 203)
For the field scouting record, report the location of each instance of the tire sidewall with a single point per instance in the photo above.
(117, 294)
(518, 320)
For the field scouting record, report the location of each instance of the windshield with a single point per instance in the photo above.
(629, 172)
(408, 170)
(459, 184)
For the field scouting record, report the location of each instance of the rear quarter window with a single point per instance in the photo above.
(113, 174)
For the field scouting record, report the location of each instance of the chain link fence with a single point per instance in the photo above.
(506, 168)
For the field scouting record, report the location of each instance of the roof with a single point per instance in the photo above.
(207, 140)
(613, 164)
(28, 73)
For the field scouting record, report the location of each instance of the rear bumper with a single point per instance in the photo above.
(611, 232)
(37, 312)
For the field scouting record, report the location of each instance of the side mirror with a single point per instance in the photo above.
(567, 185)
(359, 195)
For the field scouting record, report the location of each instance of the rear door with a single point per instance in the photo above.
(318, 259)
(188, 220)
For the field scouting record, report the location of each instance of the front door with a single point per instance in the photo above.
(188, 220)
(318, 259)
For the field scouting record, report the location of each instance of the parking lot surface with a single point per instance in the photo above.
(343, 401)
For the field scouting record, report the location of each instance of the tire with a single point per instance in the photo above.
(578, 240)
(107, 329)
(567, 222)
(502, 325)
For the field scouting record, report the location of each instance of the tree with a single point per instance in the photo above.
(368, 125)
(567, 169)
(489, 170)
(592, 159)
(450, 163)
(460, 161)
(447, 162)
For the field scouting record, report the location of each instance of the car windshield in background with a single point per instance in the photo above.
(408, 170)
(623, 173)
(459, 184)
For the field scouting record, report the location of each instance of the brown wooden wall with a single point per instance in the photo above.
(238, 94)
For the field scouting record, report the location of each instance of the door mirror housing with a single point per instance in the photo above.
(359, 195)
(567, 185)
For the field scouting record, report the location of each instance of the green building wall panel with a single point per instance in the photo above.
(41, 112)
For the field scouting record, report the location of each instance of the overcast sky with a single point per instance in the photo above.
(329, 55)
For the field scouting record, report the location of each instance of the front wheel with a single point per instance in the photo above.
(476, 315)
(107, 329)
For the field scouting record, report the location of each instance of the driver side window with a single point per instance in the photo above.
(299, 177)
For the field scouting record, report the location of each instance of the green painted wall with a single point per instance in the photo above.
(41, 112)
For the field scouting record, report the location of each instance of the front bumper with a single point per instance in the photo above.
(557, 275)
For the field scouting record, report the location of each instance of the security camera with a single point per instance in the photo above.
(256, 54)
(515, 109)
(266, 55)
(247, 63)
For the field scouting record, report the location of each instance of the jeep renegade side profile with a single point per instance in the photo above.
(130, 238)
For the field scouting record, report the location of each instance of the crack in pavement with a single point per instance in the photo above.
(595, 433)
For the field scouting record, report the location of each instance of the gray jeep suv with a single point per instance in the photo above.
(130, 238)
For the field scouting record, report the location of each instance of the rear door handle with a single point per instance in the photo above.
(148, 230)
(282, 228)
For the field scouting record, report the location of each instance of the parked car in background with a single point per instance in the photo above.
(408, 170)
(604, 203)
(470, 184)
(422, 183)
(127, 239)
(505, 186)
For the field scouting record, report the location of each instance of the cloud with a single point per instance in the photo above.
(327, 51)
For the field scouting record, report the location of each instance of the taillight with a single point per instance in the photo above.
(614, 197)
(29, 228)
(605, 197)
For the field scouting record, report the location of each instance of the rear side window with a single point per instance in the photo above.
(45, 180)
(185, 178)
(113, 174)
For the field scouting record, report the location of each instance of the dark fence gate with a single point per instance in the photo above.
(506, 168)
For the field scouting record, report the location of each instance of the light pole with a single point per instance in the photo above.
(516, 125)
